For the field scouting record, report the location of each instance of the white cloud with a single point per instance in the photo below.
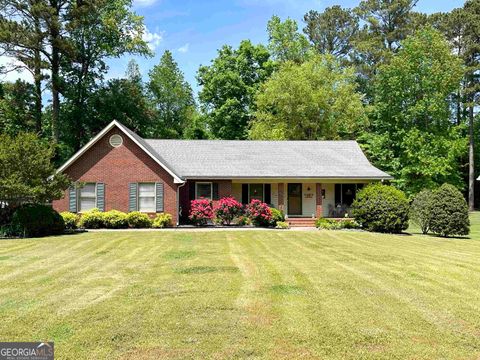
(14, 70)
(152, 38)
(144, 3)
(183, 49)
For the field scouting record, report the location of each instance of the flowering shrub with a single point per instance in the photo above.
(259, 213)
(227, 209)
(200, 211)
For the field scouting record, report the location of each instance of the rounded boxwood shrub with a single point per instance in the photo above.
(259, 213)
(421, 210)
(70, 220)
(162, 220)
(92, 219)
(138, 220)
(227, 209)
(35, 220)
(449, 212)
(115, 219)
(381, 208)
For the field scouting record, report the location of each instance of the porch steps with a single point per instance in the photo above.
(301, 222)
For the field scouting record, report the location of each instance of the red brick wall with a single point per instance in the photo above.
(281, 200)
(319, 201)
(117, 167)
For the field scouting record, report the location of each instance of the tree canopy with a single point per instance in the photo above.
(229, 86)
(316, 100)
(27, 173)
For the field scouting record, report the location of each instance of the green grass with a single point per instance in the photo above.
(278, 294)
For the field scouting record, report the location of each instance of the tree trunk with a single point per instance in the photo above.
(471, 161)
(38, 92)
(55, 68)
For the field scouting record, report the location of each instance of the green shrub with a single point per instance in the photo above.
(242, 221)
(421, 210)
(277, 216)
(92, 219)
(70, 220)
(114, 219)
(449, 212)
(136, 219)
(381, 208)
(349, 224)
(328, 224)
(282, 225)
(36, 220)
(162, 220)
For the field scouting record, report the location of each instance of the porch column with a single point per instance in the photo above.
(281, 203)
(318, 202)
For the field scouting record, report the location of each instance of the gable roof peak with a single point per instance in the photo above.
(139, 141)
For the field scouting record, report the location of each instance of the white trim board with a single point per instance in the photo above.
(102, 133)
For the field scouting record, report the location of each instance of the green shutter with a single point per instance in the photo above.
(159, 199)
(72, 200)
(215, 195)
(132, 196)
(101, 196)
(191, 190)
(268, 194)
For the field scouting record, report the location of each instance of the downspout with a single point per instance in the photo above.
(178, 201)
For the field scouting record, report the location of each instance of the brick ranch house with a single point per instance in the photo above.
(306, 179)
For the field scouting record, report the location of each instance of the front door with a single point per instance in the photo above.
(294, 199)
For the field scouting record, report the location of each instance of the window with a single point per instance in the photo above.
(345, 193)
(203, 190)
(256, 192)
(146, 197)
(87, 197)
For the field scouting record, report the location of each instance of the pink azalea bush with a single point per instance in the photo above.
(201, 211)
(227, 209)
(259, 213)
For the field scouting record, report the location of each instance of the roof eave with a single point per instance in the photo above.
(205, 177)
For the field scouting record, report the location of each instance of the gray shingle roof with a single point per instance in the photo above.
(265, 159)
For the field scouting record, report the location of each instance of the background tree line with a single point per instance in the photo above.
(403, 83)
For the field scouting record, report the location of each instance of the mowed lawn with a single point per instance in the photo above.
(244, 294)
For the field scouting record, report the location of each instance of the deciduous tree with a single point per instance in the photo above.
(314, 100)
(229, 85)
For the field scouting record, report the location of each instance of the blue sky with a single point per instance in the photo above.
(194, 29)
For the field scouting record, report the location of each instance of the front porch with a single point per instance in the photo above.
(302, 200)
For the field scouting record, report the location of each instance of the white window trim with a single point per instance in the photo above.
(263, 193)
(204, 183)
(154, 199)
(79, 197)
